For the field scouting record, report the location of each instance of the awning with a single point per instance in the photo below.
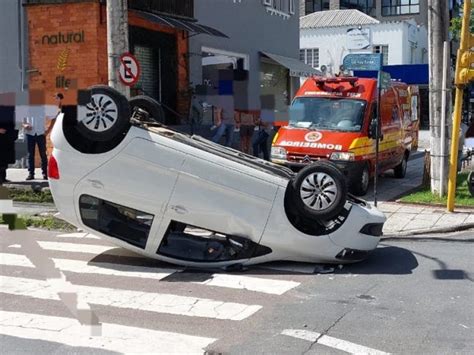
(296, 67)
(411, 74)
(181, 24)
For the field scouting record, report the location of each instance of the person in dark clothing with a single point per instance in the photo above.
(260, 143)
(8, 136)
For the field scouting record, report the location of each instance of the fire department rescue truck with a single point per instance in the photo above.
(334, 119)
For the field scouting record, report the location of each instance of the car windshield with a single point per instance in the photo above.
(324, 113)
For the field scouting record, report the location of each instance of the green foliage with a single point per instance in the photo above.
(22, 195)
(46, 222)
(463, 197)
(456, 24)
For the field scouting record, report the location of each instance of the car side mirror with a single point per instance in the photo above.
(373, 130)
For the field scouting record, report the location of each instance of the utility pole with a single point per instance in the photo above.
(464, 75)
(438, 29)
(117, 41)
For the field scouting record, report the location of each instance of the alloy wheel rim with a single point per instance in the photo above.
(318, 191)
(101, 113)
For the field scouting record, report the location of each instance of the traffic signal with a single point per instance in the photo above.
(465, 59)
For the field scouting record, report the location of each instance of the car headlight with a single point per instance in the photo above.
(278, 153)
(347, 156)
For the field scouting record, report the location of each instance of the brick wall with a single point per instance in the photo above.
(82, 61)
(64, 67)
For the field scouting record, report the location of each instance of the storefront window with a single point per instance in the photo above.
(316, 5)
(274, 84)
(400, 7)
(366, 6)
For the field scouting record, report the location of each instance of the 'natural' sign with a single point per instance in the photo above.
(60, 38)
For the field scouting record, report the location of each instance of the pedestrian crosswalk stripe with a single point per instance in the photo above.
(145, 301)
(75, 247)
(77, 235)
(332, 342)
(114, 337)
(277, 287)
(268, 286)
(80, 266)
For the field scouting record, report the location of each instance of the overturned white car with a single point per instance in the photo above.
(119, 173)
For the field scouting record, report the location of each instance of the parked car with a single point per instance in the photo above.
(119, 173)
(333, 119)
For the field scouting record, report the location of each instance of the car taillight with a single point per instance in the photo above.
(53, 170)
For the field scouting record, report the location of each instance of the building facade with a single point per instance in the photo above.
(382, 10)
(67, 46)
(327, 37)
(261, 50)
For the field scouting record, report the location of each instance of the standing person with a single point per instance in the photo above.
(225, 120)
(261, 140)
(8, 136)
(34, 126)
(245, 121)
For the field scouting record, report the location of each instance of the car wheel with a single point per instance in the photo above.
(104, 115)
(320, 191)
(401, 169)
(361, 185)
(150, 106)
(470, 182)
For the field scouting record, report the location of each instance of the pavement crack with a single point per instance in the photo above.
(326, 331)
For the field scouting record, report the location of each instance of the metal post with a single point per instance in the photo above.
(377, 135)
(117, 41)
(453, 163)
(442, 177)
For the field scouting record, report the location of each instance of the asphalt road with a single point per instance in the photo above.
(411, 296)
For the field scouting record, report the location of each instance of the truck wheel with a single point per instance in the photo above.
(361, 185)
(470, 182)
(150, 106)
(401, 169)
(103, 114)
(319, 191)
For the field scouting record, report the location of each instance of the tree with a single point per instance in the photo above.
(456, 23)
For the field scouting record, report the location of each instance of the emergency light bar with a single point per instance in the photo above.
(336, 80)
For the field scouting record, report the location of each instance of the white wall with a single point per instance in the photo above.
(332, 43)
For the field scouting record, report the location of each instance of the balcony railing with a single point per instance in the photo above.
(179, 8)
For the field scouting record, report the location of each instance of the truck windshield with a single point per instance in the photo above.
(327, 113)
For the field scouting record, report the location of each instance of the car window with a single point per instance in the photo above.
(324, 113)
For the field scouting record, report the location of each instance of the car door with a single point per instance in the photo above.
(391, 149)
(139, 179)
(221, 195)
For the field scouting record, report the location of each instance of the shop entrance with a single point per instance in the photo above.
(156, 53)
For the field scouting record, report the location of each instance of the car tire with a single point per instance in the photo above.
(360, 186)
(151, 106)
(319, 191)
(103, 114)
(401, 169)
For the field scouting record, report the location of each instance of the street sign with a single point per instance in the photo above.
(358, 38)
(363, 61)
(129, 69)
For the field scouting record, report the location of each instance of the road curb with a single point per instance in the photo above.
(438, 230)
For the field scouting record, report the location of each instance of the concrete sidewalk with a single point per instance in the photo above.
(405, 220)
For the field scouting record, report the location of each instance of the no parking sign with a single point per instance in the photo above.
(129, 69)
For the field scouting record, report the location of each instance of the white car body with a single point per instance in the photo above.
(174, 181)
